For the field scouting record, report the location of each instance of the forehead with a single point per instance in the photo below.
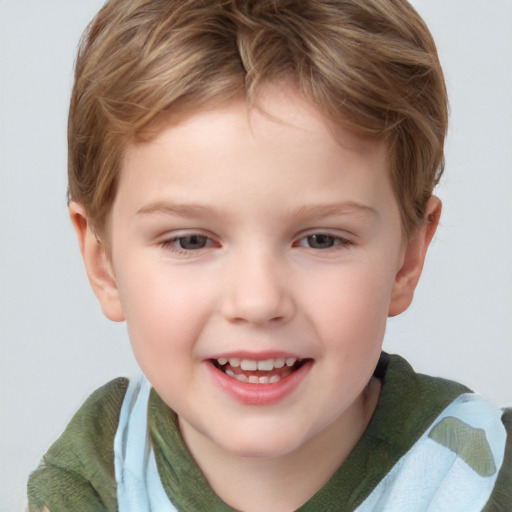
(280, 102)
(282, 142)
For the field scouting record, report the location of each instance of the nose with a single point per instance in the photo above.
(257, 292)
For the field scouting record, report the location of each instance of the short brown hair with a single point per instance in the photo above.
(370, 65)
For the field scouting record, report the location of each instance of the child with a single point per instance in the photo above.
(251, 185)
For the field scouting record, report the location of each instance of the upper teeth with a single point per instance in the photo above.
(253, 365)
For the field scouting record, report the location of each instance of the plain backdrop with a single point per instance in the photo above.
(56, 347)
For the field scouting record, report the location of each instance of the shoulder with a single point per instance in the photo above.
(501, 498)
(409, 401)
(414, 405)
(77, 472)
(431, 393)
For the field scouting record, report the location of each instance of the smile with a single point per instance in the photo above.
(267, 371)
(264, 380)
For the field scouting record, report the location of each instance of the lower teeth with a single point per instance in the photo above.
(253, 379)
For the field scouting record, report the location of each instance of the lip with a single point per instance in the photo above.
(259, 394)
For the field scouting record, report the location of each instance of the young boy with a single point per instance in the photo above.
(251, 185)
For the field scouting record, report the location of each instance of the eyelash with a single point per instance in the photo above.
(173, 244)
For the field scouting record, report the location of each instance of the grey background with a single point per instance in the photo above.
(55, 345)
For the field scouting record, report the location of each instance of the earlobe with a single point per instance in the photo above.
(97, 264)
(414, 257)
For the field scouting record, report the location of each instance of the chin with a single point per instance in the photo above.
(262, 445)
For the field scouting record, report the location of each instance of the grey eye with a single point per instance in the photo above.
(321, 241)
(192, 242)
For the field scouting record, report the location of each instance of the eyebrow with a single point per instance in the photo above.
(335, 209)
(304, 212)
(176, 209)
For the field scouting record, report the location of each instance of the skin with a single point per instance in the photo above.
(259, 189)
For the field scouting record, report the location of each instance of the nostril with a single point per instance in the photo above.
(258, 310)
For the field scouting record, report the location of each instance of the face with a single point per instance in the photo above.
(254, 256)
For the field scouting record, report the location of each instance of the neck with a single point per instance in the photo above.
(283, 483)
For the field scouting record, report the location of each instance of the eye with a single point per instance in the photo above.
(187, 245)
(322, 241)
(191, 242)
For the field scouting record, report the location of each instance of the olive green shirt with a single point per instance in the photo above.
(77, 472)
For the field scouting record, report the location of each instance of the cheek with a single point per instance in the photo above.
(162, 310)
(351, 306)
(164, 323)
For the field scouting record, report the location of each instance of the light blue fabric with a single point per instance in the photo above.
(453, 467)
(139, 488)
(432, 477)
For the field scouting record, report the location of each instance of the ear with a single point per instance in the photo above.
(97, 264)
(414, 256)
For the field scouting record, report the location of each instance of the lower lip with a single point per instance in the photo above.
(259, 394)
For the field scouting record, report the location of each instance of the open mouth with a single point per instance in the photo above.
(267, 371)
